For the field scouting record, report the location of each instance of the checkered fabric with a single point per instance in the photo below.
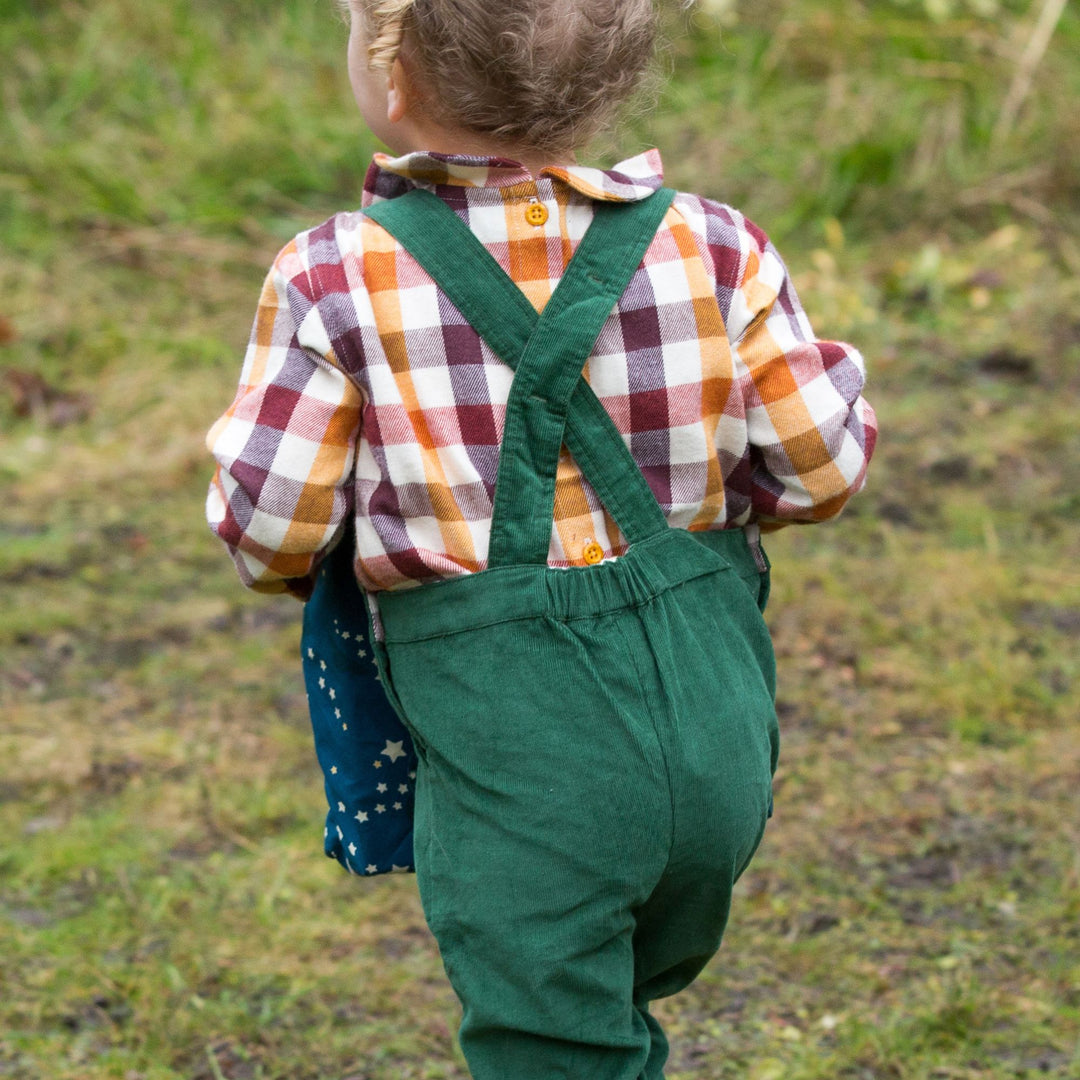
(365, 393)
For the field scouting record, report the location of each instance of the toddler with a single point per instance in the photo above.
(550, 409)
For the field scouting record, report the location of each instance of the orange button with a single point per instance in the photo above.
(593, 553)
(536, 213)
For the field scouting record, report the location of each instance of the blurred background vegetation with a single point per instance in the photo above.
(914, 913)
(209, 115)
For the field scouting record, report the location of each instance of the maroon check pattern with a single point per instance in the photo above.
(364, 392)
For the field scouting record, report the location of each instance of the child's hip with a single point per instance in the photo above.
(625, 710)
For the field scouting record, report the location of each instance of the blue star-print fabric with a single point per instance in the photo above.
(365, 753)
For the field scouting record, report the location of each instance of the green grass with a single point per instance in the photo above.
(164, 909)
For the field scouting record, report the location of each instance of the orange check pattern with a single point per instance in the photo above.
(365, 394)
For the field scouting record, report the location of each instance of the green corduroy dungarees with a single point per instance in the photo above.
(596, 744)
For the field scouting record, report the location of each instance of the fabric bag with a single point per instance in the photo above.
(366, 755)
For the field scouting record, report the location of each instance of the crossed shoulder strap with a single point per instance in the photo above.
(550, 403)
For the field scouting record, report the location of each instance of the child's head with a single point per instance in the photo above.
(543, 75)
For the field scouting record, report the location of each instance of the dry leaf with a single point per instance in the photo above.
(31, 395)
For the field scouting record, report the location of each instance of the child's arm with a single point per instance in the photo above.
(810, 431)
(285, 447)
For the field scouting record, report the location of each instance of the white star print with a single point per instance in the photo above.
(344, 727)
(346, 635)
(333, 770)
(322, 664)
(402, 788)
(322, 683)
(380, 809)
(333, 694)
(341, 808)
(394, 750)
(395, 869)
(337, 713)
(412, 776)
(397, 806)
(311, 654)
(352, 849)
(361, 653)
(381, 789)
(361, 816)
(371, 868)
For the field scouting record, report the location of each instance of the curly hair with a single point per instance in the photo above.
(542, 74)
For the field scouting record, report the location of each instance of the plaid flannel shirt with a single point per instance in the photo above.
(365, 394)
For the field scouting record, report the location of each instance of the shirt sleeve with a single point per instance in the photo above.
(285, 448)
(810, 431)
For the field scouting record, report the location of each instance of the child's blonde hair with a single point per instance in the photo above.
(545, 75)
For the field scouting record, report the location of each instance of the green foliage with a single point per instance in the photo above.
(124, 111)
(165, 913)
(877, 113)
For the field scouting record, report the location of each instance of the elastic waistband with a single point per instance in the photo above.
(509, 593)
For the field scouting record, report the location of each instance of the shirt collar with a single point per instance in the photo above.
(629, 181)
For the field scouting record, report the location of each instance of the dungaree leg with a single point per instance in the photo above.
(532, 861)
(658, 1044)
(713, 666)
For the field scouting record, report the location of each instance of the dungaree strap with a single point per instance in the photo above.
(550, 403)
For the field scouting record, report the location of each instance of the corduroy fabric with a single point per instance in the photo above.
(511, 593)
(596, 750)
(591, 784)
